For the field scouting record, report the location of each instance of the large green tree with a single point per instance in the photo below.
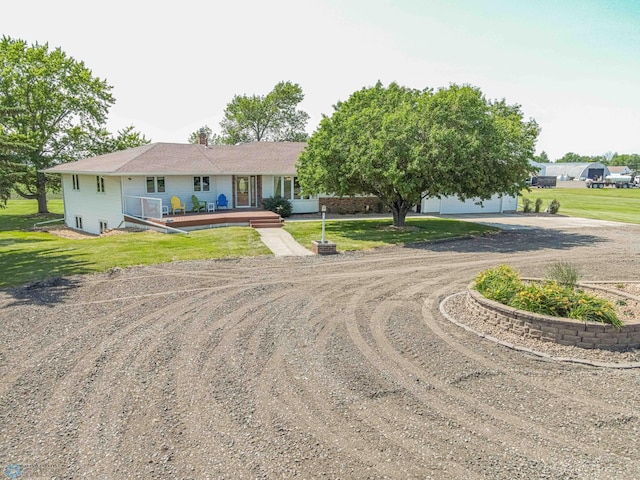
(61, 107)
(272, 117)
(402, 145)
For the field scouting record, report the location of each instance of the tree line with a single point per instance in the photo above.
(631, 160)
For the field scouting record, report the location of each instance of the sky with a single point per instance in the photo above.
(572, 65)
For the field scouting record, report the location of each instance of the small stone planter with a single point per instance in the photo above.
(564, 331)
(323, 248)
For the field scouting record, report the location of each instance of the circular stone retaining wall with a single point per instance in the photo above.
(564, 331)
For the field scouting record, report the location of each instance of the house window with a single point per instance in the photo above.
(78, 222)
(200, 184)
(155, 185)
(100, 183)
(284, 186)
(103, 226)
(75, 179)
(296, 190)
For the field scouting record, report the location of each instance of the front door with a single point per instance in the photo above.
(243, 192)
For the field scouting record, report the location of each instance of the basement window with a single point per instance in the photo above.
(103, 226)
(78, 222)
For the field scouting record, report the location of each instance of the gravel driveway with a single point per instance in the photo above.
(310, 367)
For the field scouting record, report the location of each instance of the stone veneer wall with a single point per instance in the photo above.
(564, 331)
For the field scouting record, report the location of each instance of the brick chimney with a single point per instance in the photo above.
(203, 138)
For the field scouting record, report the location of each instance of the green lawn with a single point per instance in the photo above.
(615, 204)
(21, 214)
(364, 234)
(27, 256)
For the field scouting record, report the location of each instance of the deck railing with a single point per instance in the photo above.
(143, 207)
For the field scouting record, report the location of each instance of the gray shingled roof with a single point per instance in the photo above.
(185, 159)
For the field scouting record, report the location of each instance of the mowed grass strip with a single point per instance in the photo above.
(366, 234)
(28, 256)
(613, 204)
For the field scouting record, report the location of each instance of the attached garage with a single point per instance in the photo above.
(453, 205)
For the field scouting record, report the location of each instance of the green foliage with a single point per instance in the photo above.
(279, 205)
(272, 117)
(554, 206)
(548, 298)
(500, 284)
(401, 144)
(59, 109)
(565, 273)
(503, 284)
(631, 160)
(104, 142)
(211, 138)
(571, 157)
(526, 205)
(538, 205)
(542, 158)
(594, 309)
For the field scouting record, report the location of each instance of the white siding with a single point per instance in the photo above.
(267, 186)
(224, 184)
(180, 186)
(91, 205)
(453, 205)
(305, 206)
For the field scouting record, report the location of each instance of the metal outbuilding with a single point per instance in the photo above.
(576, 171)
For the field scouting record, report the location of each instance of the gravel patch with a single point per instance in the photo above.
(309, 367)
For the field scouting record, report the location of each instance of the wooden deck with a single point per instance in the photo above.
(254, 218)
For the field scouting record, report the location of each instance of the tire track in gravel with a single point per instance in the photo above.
(339, 367)
(64, 416)
(495, 423)
(347, 423)
(459, 407)
(245, 342)
(563, 391)
(513, 422)
(306, 407)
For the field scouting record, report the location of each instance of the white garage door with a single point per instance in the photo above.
(453, 205)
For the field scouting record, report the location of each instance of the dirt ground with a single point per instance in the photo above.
(309, 367)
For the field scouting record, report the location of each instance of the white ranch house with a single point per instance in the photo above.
(106, 191)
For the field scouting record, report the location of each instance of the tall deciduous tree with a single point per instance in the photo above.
(60, 105)
(403, 145)
(272, 117)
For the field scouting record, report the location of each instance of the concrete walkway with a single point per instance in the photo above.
(281, 243)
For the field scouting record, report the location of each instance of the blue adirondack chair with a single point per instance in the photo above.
(222, 201)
